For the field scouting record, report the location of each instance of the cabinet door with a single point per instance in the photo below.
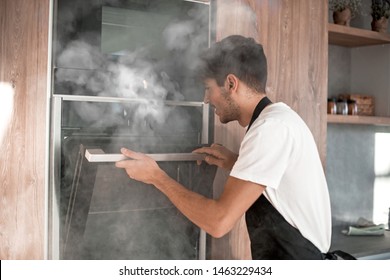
(24, 55)
(294, 36)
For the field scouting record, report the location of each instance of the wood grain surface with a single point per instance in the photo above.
(23, 65)
(355, 37)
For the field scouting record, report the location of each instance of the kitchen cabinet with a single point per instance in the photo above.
(369, 55)
(24, 53)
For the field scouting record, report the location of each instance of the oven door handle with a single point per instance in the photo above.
(98, 155)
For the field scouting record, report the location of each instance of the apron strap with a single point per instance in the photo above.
(264, 102)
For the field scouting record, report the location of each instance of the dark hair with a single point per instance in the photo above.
(236, 55)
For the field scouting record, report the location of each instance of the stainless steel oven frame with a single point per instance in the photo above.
(55, 133)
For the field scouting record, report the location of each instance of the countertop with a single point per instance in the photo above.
(362, 246)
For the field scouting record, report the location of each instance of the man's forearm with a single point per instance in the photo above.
(204, 212)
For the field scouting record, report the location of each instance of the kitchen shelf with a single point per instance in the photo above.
(369, 120)
(355, 37)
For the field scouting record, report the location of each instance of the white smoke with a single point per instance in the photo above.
(85, 70)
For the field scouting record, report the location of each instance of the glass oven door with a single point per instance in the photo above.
(99, 213)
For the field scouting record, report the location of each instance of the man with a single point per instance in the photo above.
(276, 180)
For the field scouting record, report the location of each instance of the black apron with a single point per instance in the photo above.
(271, 236)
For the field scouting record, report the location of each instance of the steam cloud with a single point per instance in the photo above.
(84, 70)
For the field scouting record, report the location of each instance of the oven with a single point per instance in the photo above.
(123, 76)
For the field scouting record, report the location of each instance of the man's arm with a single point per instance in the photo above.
(216, 217)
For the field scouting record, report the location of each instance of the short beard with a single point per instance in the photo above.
(232, 110)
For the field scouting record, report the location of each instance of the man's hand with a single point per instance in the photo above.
(140, 167)
(218, 155)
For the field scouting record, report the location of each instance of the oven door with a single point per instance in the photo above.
(109, 216)
(98, 212)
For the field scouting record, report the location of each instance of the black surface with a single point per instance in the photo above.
(360, 246)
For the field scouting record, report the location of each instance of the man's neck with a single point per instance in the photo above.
(248, 109)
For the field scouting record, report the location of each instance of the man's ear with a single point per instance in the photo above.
(232, 82)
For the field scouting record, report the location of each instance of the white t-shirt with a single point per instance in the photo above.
(280, 153)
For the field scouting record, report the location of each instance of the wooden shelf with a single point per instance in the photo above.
(369, 120)
(355, 37)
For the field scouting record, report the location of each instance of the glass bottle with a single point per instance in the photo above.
(332, 108)
(352, 107)
(342, 107)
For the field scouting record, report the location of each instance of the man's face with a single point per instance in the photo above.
(220, 98)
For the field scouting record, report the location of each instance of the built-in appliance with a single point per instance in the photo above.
(124, 76)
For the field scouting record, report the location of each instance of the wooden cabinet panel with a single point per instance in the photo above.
(24, 29)
(294, 36)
